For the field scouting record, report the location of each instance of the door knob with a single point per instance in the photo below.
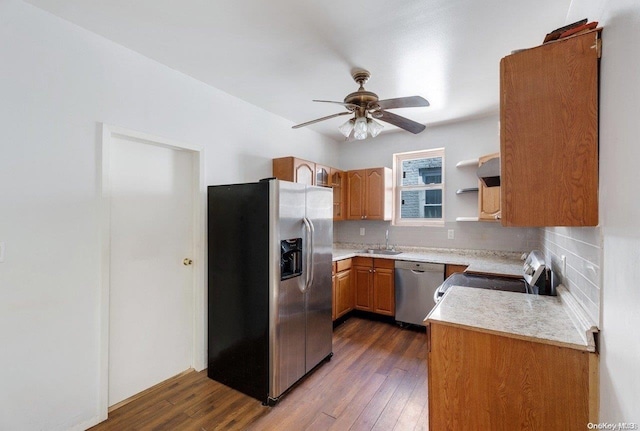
(187, 261)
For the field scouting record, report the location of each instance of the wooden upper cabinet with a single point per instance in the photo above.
(549, 133)
(355, 194)
(338, 183)
(295, 170)
(374, 194)
(323, 175)
(488, 197)
(369, 194)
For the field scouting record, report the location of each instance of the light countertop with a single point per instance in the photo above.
(479, 261)
(545, 319)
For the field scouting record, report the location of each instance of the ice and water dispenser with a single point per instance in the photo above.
(290, 258)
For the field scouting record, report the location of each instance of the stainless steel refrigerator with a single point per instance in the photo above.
(269, 284)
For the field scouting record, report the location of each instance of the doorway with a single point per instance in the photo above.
(153, 288)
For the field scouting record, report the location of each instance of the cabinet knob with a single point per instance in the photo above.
(365, 216)
(497, 216)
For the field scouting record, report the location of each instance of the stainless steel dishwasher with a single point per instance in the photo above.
(415, 284)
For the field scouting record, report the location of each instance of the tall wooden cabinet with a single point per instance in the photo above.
(549, 133)
(373, 282)
(369, 194)
(488, 197)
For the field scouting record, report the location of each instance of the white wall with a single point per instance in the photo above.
(619, 204)
(58, 82)
(462, 140)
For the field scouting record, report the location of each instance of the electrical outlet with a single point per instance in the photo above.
(451, 234)
(2, 247)
(361, 231)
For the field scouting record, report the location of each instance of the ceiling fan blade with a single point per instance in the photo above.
(297, 126)
(348, 105)
(402, 122)
(402, 102)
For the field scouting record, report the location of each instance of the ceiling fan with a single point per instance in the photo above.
(366, 108)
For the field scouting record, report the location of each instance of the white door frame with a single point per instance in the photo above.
(198, 359)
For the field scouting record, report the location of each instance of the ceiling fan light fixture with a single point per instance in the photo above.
(360, 128)
(347, 127)
(374, 127)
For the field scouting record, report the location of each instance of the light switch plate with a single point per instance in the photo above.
(2, 247)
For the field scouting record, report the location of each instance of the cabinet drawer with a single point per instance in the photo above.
(384, 263)
(342, 265)
(363, 261)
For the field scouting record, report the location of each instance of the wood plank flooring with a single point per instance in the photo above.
(376, 380)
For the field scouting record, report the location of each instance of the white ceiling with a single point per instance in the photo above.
(281, 54)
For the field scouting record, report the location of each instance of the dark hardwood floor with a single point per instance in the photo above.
(376, 380)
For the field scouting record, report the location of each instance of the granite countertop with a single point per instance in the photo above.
(547, 319)
(479, 261)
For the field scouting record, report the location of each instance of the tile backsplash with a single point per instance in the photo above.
(582, 248)
(467, 235)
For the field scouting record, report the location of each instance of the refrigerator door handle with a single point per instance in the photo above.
(308, 251)
(312, 252)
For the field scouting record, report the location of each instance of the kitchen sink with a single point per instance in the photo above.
(380, 251)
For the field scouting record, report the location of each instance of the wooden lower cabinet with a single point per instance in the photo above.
(343, 293)
(362, 282)
(452, 269)
(481, 381)
(374, 285)
(384, 294)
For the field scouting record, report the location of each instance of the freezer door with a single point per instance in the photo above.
(319, 213)
(287, 326)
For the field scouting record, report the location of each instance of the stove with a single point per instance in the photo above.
(536, 279)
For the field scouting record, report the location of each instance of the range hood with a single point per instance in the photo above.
(489, 172)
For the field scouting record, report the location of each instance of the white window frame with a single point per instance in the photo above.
(398, 188)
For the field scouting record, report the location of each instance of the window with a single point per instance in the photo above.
(418, 188)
